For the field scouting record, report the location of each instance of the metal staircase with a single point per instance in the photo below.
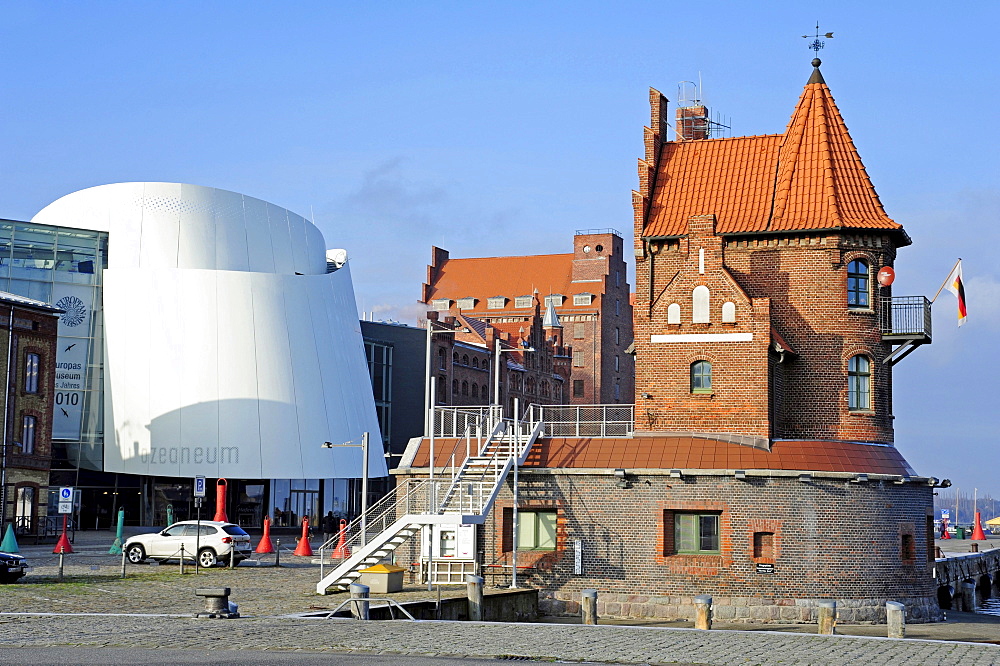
(462, 495)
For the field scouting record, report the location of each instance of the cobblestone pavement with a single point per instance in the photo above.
(268, 595)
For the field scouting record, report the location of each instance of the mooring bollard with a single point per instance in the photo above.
(359, 608)
(588, 606)
(827, 617)
(974, 547)
(703, 611)
(182, 559)
(474, 590)
(895, 618)
(217, 604)
(62, 558)
(277, 553)
(938, 553)
(969, 597)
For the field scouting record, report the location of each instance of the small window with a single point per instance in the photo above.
(618, 391)
(696, 532)
(454, 358)
(700, 305)
(466, 303)
(673, 313)
(618, 336)
(536, 530)
(859, 380)
(496, 302)
(763, 546)
(701, 377)
(454, 387)
(618, 278)
(618, 304)
(616, 363)
(578, 331)
(475, 390)
(31, 364)
(522, 302)
(441, 357)
(857, 284)
(555, 300)
(475, 363)
(441, 303)
(729, 312)
(583, 299)
(465, 388)
(28, 434)
(577, 388)
(578, 359)
(465, 359)
(907, 547)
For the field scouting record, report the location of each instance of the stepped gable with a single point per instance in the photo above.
(808, 178)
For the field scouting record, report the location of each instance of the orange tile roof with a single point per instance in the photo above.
(485, 277)
(689, 453)
(808, 178)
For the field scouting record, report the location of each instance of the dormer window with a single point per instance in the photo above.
(858, 285)
(522, 302)
(466, 303)
(441, 303)
(496, 302)
(555, 300)
(583, 299)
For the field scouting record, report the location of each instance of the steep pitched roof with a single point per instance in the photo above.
(808, 178)
(484, 277)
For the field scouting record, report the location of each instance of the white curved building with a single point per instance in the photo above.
(229, 351)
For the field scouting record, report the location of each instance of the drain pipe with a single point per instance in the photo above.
(517, 453)
(6, 419)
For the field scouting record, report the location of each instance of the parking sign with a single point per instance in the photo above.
(199, 486)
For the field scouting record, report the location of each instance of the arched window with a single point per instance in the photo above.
(454, 387)
(475, 390)
(454, 358)
(441, 357)
(729, 312)
(465, 359)
(859, 383)
(857, 284)
(465, 388)
(699, 305)
(674, 313)
(701, 377)
(475, 363)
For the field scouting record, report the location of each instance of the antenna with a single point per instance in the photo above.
(816, 44)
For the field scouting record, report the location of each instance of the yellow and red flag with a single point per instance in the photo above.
(955, 285)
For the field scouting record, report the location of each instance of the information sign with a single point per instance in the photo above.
(765, 568)
(66, 499)
(199, 486)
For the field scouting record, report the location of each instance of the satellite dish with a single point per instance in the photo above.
(885, 276)
(337, 257)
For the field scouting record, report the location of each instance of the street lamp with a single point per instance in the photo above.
(364, 478)
(525, 347)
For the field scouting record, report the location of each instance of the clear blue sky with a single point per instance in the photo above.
(500, 128)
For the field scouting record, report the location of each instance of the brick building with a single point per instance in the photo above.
(588, 290)
(28, 331)
(759, 464)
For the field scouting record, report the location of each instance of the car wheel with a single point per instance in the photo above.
(207, 558)
(8, 578)
(135, 553)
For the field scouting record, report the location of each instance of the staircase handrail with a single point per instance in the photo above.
(457, 479)
(376, 512)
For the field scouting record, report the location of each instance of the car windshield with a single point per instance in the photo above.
(234, 530)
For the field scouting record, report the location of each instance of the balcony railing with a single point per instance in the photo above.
(906, 318)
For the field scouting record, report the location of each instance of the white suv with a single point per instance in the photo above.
(212, 540)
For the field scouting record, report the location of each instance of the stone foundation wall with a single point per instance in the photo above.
(738, 609)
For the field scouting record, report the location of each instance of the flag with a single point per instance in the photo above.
(955, 285)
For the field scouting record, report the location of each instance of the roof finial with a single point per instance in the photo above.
(816, 44)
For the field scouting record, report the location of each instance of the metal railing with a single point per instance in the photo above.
(407, 497)
(906, 316)
(584, 420)
(456, 421)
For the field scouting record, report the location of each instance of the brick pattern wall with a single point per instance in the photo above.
(832, 539)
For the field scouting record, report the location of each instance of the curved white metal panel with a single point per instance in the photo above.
(228, 349)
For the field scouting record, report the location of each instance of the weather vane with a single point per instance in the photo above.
(818, 43)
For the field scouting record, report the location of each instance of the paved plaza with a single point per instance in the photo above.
(152, 608)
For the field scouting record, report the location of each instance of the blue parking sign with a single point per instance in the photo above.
(199, 486)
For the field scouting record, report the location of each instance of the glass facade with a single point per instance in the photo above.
(63, 266)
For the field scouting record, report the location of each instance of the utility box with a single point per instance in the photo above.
(383, 578)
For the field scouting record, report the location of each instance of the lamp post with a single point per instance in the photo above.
(525, 347)
(364, 479)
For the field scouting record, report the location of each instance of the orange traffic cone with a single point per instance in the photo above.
(265, 541)
(977, 531)
(220, 501)
(63, 545)
(341, 552)
(304, 549)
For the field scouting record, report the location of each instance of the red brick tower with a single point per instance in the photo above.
(757, 308)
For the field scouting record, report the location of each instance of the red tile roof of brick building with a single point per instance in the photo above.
(689, 453)
(808, 178)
